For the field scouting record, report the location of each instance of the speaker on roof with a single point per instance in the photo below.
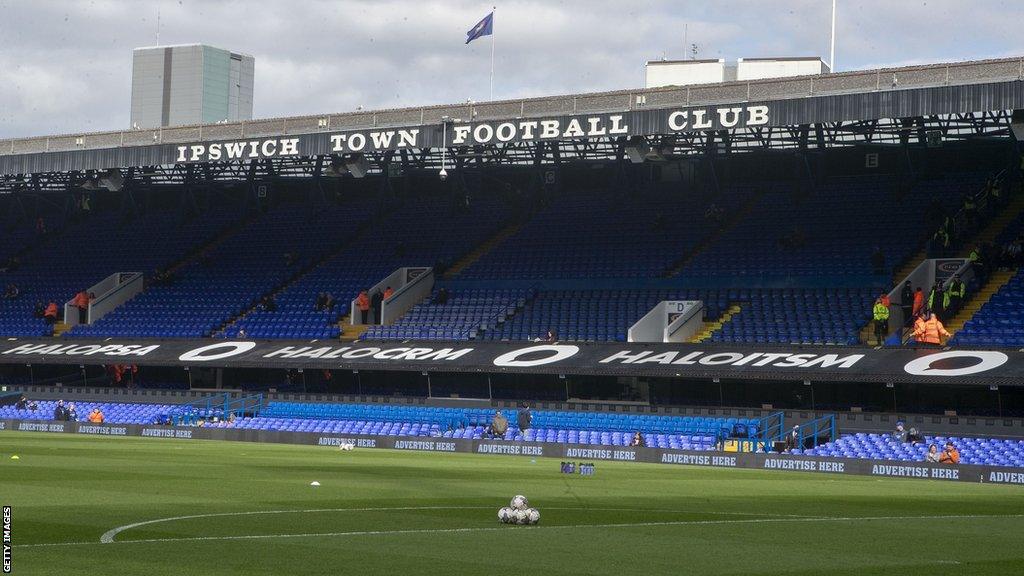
(357, 165)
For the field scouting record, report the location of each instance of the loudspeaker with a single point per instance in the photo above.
(357, 165)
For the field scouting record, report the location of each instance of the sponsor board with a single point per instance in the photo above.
(757, 461)
(812, 363)
(103, 430)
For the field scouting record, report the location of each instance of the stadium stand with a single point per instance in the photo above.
(233, 275)
(986, 451)
(95, 247)
(424, 230)
(674, 432)
(1000, 320)
(462, 316)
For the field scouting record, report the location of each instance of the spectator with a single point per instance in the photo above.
(363, 304)
(907, 302)
(321, 302)
(955, 296)
(388, 292)
(242, 333)
(638, 439)
(918, 305)
(71, 413)
(375, 302)
(59, 412)
(81, 301)
(950, 455)
(928, 330)
(22, 403)
(96, 416)
(441, 297)
(39, 311)
(51, 313)
(880, 312)
(12, 291)
(499, 425)
(793, 439)
(328, 301)
(900, 435)
(525, 418)
(268, 304)
(933, 454)
(936, 298)
(914, 437)
(878, 261)
(550, 336)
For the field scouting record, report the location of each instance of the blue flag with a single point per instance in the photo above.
(484, 27)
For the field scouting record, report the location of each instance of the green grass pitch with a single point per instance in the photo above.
(249, 509)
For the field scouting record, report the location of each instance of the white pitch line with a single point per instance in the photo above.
(109, 535)
(561, 527)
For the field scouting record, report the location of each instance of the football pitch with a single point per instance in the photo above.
(86, 505)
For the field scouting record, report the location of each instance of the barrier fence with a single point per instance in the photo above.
(586, 453)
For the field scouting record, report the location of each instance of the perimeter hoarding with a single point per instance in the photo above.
(810, 363)
(574, 452)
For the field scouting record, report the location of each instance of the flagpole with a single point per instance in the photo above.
(491, 83)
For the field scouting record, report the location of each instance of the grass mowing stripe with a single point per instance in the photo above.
(495, 528)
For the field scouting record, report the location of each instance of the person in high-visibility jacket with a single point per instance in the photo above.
(936, 299)
(363, 303)
(918, 304)
(955, 291)
(881, 316)
(929, 331)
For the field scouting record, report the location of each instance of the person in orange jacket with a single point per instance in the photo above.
(918, 302)
(96, 417)
(388, 292)
(928, 330)
(950, 455)
(81, 302)
(363, 303)
(50, 314)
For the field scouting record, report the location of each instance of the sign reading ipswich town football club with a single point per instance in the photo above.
(811, 363)
(458, 133)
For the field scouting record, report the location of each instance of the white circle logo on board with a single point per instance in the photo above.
(229, 349)
(987, 360)
(557, 353)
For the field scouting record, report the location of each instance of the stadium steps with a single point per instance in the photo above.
(60, 328)
(995, 282)
(198, 252)
(709, 328)
(483, 249)
(356, 236)
(350, 332)
(680, 265)
(995, 226)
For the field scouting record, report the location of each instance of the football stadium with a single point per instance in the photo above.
(752, 323)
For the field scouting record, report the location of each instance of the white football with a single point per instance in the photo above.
(505, 514)
(533, 515)
(522, 517)
(519, 502)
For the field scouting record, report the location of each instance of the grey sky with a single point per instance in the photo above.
(66, 64)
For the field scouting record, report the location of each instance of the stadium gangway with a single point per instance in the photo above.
(771, 429)
(189, 413)
(245, 406)
(815, 430)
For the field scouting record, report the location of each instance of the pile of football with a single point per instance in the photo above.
(519, 512)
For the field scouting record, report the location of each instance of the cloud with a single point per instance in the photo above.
(67, 63)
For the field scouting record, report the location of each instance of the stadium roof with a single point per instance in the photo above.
(888, 105)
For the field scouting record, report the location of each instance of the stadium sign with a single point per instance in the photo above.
(811, 363)
(573, 452)
(458, 133)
